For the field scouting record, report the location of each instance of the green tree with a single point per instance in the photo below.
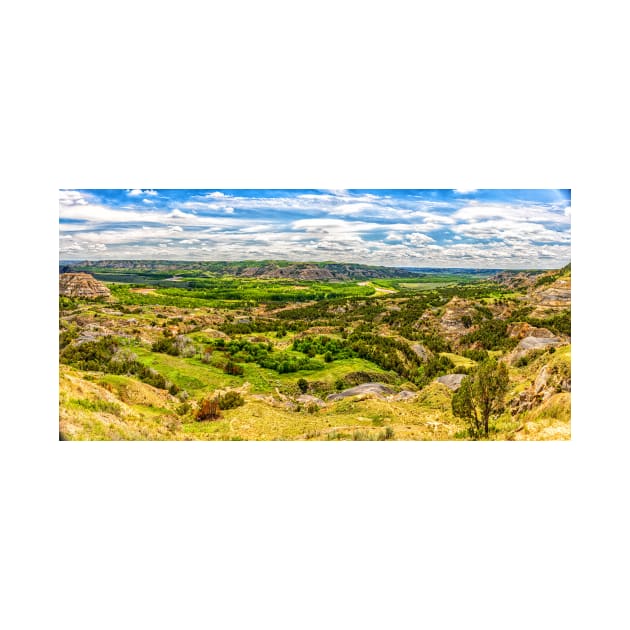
(481, 395)
(303, 385)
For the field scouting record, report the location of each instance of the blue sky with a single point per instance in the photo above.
(411, 228)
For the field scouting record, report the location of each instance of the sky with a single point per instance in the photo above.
(508, 229)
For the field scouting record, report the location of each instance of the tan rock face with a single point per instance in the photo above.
(553, 297)
(451, 322)
(520, 330)
(81, 285)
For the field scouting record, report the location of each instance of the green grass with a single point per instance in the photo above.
(189, 374)
(97, 405)
(459, 360)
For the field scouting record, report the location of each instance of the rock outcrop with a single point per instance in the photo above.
(451, 321)
(82, 285)
(551, 298)
(421, 351)
(520, 330)
(528, 344)
(373, 389)
(550, 380)
(452, 381)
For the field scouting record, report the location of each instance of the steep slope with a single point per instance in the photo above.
(81, 285)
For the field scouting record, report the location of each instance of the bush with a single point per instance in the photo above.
(183, 409)
(230, 400)
(175, 346)
(234, 369)
(303, 385)
(206, 357)
(476, 354)
(387, 434)
(208, 410)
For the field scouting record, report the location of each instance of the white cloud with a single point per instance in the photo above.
(464, 191)
(509, 230)
(416, 238)
(137, 192)
(531, 213)
(71, 198)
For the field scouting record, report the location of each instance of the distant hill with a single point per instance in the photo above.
(250, 269)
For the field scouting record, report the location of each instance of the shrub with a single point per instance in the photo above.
(183, 409)
(476, 354)
(68, 335)
(206, 357)
(99, 405)
(360, 436)
(303, 385)
(208, 410)
(312, 408)
(230, 400)
(387, 434)
(234, 369)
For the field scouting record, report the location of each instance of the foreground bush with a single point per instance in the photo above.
(208, 410)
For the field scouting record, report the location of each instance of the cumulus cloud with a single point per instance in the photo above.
(392, 229)
(71, 198)
(137, 192)
(416, 238)
(535, 213)
(510, 230)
